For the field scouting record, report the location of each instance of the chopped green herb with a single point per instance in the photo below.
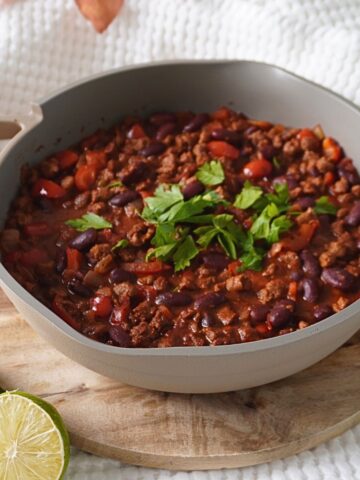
(89, 220)
(248, 196)
(121, 244)
(117, 183)
(324, 206)
(261, 226)
(185, 252)
(276, 163)
(280, 197)
(162, 201)
(211, 173)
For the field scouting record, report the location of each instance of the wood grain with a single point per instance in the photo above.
(184, 432)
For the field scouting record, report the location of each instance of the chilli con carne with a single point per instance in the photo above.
(189, 229)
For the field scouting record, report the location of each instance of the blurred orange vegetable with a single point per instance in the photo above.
(100, 12)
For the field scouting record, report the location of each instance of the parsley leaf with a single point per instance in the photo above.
(121, 244)
(89, 220)
(117, 183)
(324, 206)
(185, 252)
(261, 226)
(276, 163)
(278, 225)
(248, 196)
(280, 197)
(161, 202)
(252, 256)
(211, 173)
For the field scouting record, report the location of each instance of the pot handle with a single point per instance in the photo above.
(10, 126)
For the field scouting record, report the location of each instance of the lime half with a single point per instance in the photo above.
(34, 444)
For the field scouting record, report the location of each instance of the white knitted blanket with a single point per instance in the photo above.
(45, 44)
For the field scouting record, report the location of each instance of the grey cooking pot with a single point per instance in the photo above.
(262, 92)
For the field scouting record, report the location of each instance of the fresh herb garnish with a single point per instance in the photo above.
(324, 206)
(185, 252)
(224, 230)
(117, 183)
(123, 243)
(248, 196)
(89, 220)
(211, 173)
(276, 163)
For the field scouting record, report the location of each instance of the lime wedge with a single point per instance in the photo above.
(34, 444)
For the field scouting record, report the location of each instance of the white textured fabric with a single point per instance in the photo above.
(45, 44)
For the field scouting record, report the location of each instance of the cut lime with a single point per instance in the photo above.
(34, 444)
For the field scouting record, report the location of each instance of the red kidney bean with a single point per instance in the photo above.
(310, 264)
(279, 317)
(229, 136)
(61, 261)
(196, 123)
(207, 320)
(215, 260)
(119, 336)
(258, 313)
(165, 130)
(160, 118)
(338, 278)
(267, 151)
(155, 148)
(45, 204)
(118, 275)
(324, 220)
(250, 130)
(310, 290)
(348, 171)
(123, 198)
(322, 311)
(352, 219)
(285, 303)
(209, 300)
(295, 275)
(84, 240)
(76, 287)
(304, 202)
(193, 188)
(288, 179)
(173, 299)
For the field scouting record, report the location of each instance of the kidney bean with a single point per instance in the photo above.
(288, 179)
(119, 336)
(84, 240)
(295, 275)
(352, 219)
(45, 204)
(322, 311)
(229, 136)
(310, 264)
(305, 202)
(173, 299)
(193, 188)
(165, 130)
(76, 287)
(160, 118)
(348, 171)
(258, 313)
(267, 151)
(61, 261)
(338, 278)
(155, 148)
(209, 300)
(310, 290)
(279, 316)
(215, 260)
(207, 320)
(123, 198)
(196, 123)
(285, 303)
(118, 275)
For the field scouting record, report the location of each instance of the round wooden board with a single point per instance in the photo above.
(184, 432)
